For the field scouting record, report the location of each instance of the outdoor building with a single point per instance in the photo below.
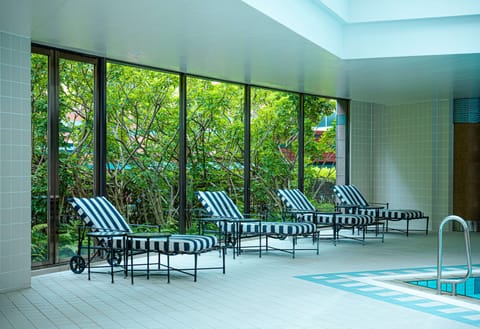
(404, 77)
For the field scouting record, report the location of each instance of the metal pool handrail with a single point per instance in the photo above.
(454, 282)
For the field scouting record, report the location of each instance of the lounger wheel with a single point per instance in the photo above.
(77, 264)
(115, 260)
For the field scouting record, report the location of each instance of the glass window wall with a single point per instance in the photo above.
(143, 134)
(215, 139)
(274, 146)
(320, 150)
(76, 95)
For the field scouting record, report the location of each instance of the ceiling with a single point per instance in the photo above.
(231, 40)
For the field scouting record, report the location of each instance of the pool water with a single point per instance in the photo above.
(470, 288)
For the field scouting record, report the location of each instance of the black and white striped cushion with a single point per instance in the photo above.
(251, 227)
(326, 219)
(288, 228)
(99, 213)
(350, 195)
(369, 211)
(399, 214)
(219, 205)
(191, 243)
(354, 220)
(295, 200)
(345, 219)
(177, 243)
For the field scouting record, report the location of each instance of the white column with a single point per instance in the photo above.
(341, 153)
(15, 162)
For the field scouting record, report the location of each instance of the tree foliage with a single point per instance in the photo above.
(142, 143)
(215, 138)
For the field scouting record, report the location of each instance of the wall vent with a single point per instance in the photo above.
(466, 110)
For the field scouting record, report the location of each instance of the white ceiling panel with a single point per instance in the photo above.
(230, 40)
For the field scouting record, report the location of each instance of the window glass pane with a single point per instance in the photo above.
(39, 178)
(274, 146)
(320, 150)
(76, 158)
(142, 143)
(214, 139)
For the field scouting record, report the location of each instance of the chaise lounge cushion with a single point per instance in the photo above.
(220, 206)
(400, 214)
(296, 201)
(339, 219)
(100, 214)
(177, 244)
(350, 195)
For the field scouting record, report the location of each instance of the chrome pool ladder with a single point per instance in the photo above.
(455, 281)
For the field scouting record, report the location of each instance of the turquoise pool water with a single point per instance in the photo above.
(471, 288)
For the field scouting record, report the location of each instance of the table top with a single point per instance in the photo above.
(230, 220)
(326, 212)
(359, 206)
(103, 234)
(148, 235)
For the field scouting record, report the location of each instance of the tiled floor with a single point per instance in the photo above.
(276, 291)
(389, 286)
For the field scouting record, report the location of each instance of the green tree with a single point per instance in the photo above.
(274, 135)
(75, 145)
(319, 176)
(215, 138)
(142, 143)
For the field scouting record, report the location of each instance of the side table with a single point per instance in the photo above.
(109, 236)
(147, 236)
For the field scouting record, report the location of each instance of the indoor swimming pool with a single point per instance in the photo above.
(470, 288)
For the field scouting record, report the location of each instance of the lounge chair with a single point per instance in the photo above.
(350, 196)
(100, 215)
(296, 204)
(223, 211)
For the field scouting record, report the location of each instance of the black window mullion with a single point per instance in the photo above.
(182, 181)
(301, 143)
(100, 111)
(246, 154)
(52, 146)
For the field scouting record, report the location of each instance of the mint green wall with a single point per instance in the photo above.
(402, 155)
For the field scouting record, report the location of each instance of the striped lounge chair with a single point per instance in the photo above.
(350, 196)
(100, 215)
(223, 211)
(296, 204)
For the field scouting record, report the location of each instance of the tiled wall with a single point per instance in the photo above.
(361, 146)
(341, 140)
(402, 154)
(15, 161)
